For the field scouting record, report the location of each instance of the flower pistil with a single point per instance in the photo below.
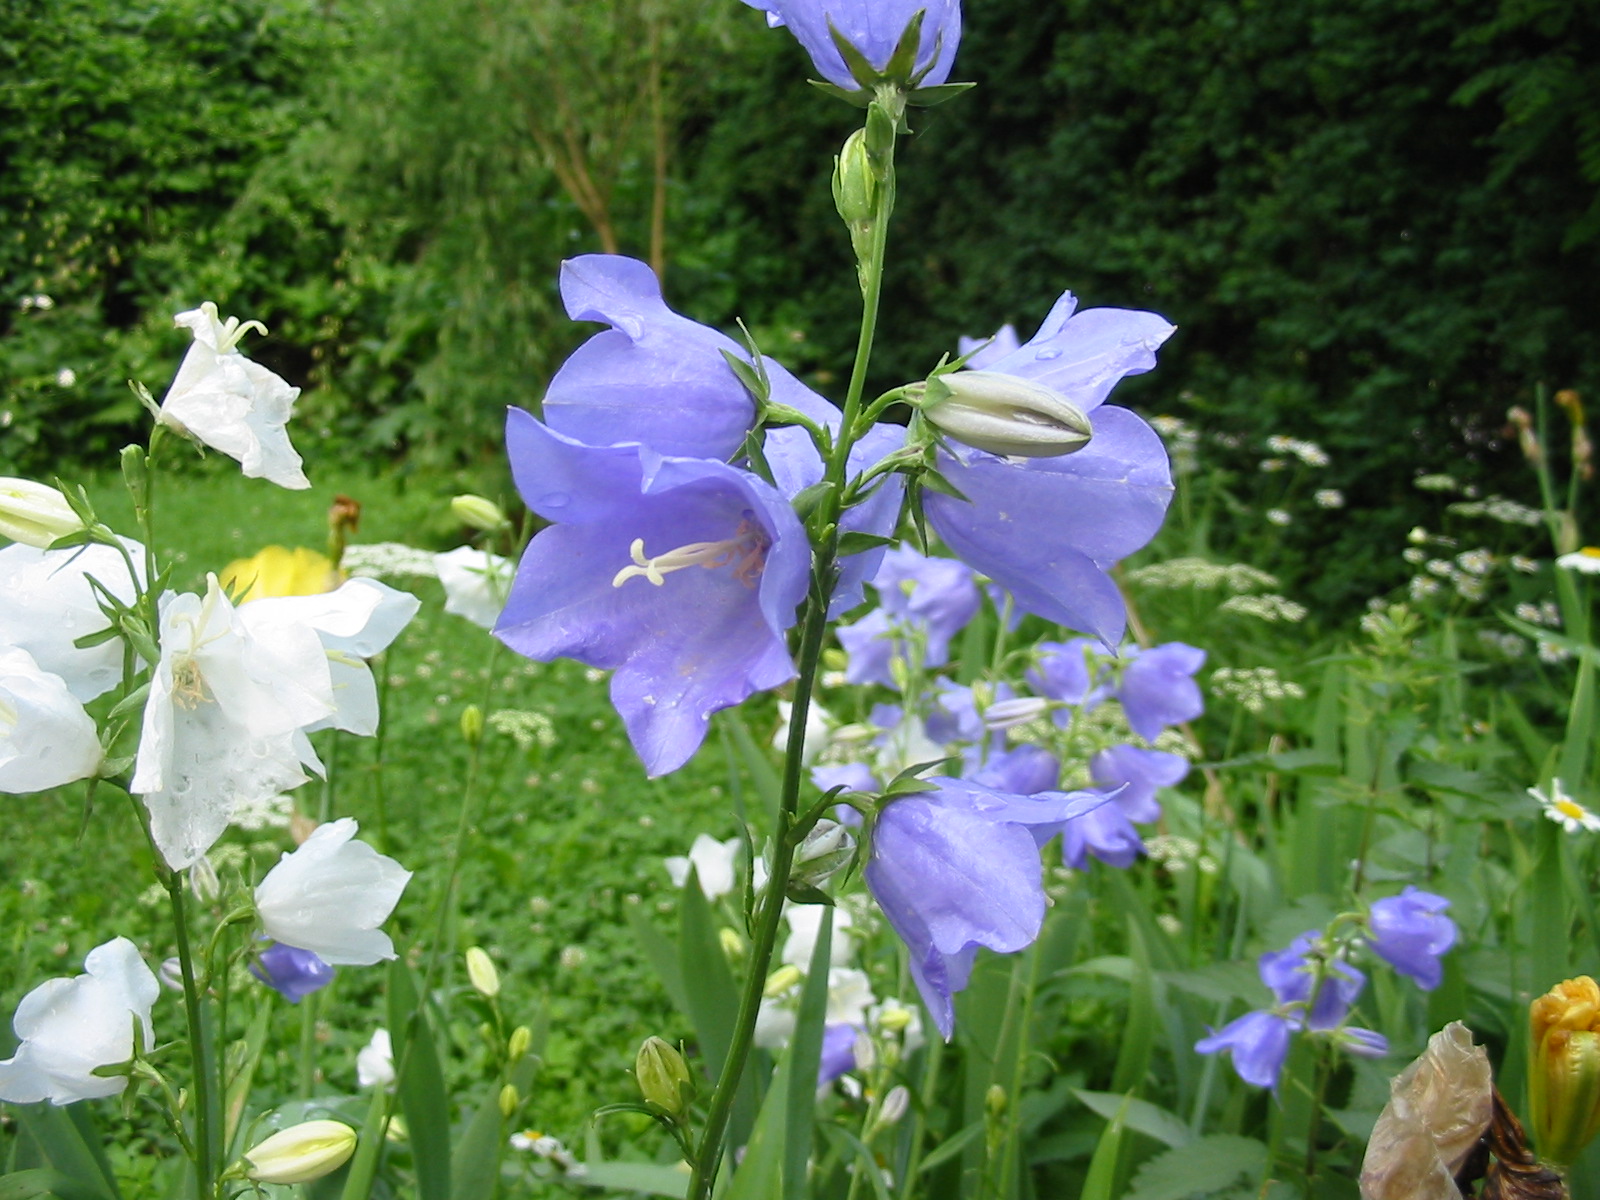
(746, 550)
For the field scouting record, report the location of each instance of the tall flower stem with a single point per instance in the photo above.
(205, 1145)
(814, 628)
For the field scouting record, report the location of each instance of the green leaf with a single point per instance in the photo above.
(420, 1088)
(1101, 1181)
(1201, 1168)
(853, 541)
(475, 1162)
(652, 1179)
(1138, 1115)
(759, 1175)
(41, 1182)
(804, 1059)
(67, 1140)
(662, 953)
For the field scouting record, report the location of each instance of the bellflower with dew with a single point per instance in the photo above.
(1410, 932)
(230, 403)
(69, 1027)
(476, 583)
(1157, 688)
(1048, 529)
(681, 575)
(956, 868)
(291, 972)
(713, 863)
(330, 895)
(46, 738)
(47, 603)
(874, 28)
(222, 723)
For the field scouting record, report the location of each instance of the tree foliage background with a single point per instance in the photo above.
(1376, 222)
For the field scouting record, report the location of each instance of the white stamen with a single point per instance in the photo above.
(746, 549)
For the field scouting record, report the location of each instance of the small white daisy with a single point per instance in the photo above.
(1564, 810)
(1586, 561)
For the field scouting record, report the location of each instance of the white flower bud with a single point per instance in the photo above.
(482, 974)
(1005, 414)
(1019, 711)
(35, 514)
(895, 1105)
(301, 1153)
(826, 849)
(478, 512)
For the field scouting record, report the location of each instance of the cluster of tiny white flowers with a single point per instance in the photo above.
(1415, 555)
(1498, 508)
(1422, 586)
(1183, 443)
(256, 815)
(1436, 483)
(1197, 572)
(527, 727)
(41, 302)
(551, 1149)
(1309, 453)
(1170, 741)
(1179, 853)
(1475, 562)
(1508, 644)
(1550, 652)
(1254, 687)
(1329, 498)
(66, 377)
(1271, 466)
(1270, 607)
(1278, 516)
(1527, 566)
(1543, 613)
(392, 559)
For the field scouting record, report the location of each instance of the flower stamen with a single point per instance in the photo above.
(746, 550)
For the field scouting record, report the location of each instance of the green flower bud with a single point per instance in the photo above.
(472, 724)
(510, 1098)
(732, 943)
(478, 512)
(35, 514)
(781, 980)
(995, 1101)
(520, 1042)
(1564, 1076)
(481, 973)
(826, 849)
(854, 182)
(663, 1078)
(1004, 414)
(301, 1153)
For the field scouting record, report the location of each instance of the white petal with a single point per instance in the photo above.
(476, 583)
(46, 738)
(46, 603)
(330, 895)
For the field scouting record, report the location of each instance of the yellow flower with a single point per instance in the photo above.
(277, 571)
(1564, 1077)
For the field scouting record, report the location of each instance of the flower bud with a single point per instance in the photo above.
(1564, 1076)
(781, 980)
(732, 943)
(481, 974)
(826, 849)
(472, 724)
(663, 1077)
(865, 1052)
(510, 1098)
(520, 1042)
(1005, 414)
(478, 512)
(995, 1101)
(35, 514)
(854, 182)
(301, 1153)
(895, 1105)
(1018, 711)
(894, 1020)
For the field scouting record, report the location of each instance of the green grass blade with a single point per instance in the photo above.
(420, 1088)
(805, 1056)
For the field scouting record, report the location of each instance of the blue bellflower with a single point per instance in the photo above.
(1048, 529)
(1410, 932)
(1259, 1044)
(938, 595)
(1158, 687)
(874, 27)
(293, 973)
(957, 868)
(679, 574)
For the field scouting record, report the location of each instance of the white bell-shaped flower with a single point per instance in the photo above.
(46, 739)
(476, 583)
(330, 895)
(222, 724)
(47, 603)
(68, 1027)
(713, 864)
(232, 404)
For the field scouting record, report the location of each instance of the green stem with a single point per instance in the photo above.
(919, 1127)
(205, 1157)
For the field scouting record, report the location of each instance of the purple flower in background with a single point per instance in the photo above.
(679, 574)
(1158, 688)
(956, 868)
(1023, 771)
(838, 1052)
(870, 646)
(1047, 529)
(1139, 773)
(1106, 834)
(874, 27)
(853, 777)
(986, 352)
(292, 973)
(1410, 932)
(937, 594)
(1259, 1043)
(953, 715)
(654, 377)
(1061, 670)
(1289, 973)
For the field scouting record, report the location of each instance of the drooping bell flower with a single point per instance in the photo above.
(1157, 688)
(476, 583)
(957, 868)
(330, 895)
(1258, 1043)
(230, 403)
(1139, 773)
(70, 1027)
(46, 738)
(1410, 932)
(291, 972)
(874, 28)
(681, 575)
(1290, 973)
(937, 595)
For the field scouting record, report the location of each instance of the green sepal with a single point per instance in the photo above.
(753, 378)
(854, 541)
(862, 71)
(112, 767)
(78, 537)
(904, 59)
(145, 398)
(129, 703)
(860, 98)
(808, 894)
(806, 502)
(929, 96)
(936, 482)
(139, 638)
(98, 638)
(755, 455)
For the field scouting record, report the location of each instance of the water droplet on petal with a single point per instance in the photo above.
(1047, 355)
(553, 500)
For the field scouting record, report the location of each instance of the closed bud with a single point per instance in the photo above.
(826, 849)
(510, 1098)
(895, 1105)
(663, 1077)
(472, 724)
(1004, 414)
(203, 881)
(865, 1052)
(35, 514)
(854, 183)
(781, 980)
(301, 1153)
(478, 512)
(1008, 714)
(136, 472)
(895, 1019)
(481, 973)
(732, 943)
(520, 1042)
(995, 1102)
(1564, 1076)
